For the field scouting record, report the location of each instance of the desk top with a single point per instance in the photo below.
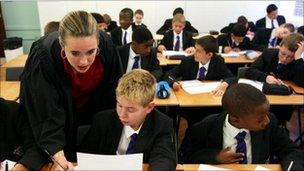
(232, 166)
(16, 62)
(9, 90)
(172, 101)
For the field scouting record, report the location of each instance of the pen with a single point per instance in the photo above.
(6, 166)
(174, 80)
(290, 165)
(53, 159)
(272, 74)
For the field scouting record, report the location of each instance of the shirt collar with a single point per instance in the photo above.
(130, 131)
(232, 130)
(132, 54)
(129, 29)
(175, 34)
(206, 66)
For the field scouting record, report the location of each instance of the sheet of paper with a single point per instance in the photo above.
(11, 164)
(260, 168)
(256, 84)
(109, 162)
(196, 86)
(209, 167)
(233, 54)
(172, 52)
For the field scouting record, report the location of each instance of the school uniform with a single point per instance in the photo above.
(227, 29)
(121, 36)
(225, 40)
(208, 137)
(167, 26)
(108, 135)
(170, 40)
(266, 22)
(149, 62)
(111, 26)
(301, 30)
(265, 38)
(136, 26)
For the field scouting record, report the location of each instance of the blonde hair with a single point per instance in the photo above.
(137, 86)
(179, 18)
(291, 41)
(78, 24)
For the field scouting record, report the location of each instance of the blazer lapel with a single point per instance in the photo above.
(185, 40)
(256, 146)
(114, 134)
(120, 36)
(210, 72)
(144, 134)
(216, 134)
(125, 56)
(171, 40)
(193, 71)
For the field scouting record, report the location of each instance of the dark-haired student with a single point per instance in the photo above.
(100, 21)
(177, 39)
(300, 30)
(138, 17)
(205, 64)
(275, 65)
(236, 40)
(140, 53)
(272, 19)
(250, 27)
(245, 133)
(271, 38)
(17, 140)
(123, 35)
(168, 24)
(134, 126)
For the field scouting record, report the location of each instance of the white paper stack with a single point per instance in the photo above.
(196, 86)
(203, 167)
(256, 84)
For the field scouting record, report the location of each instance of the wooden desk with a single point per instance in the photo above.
(295, 87)
(16, 62)
(9, 89)
(171, 101)
(242, 167)
(238, 60)
(163, 61)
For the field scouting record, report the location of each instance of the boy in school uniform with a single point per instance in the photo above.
(135, 126)
(140, 53)
(100, 21)
(236, 40)
(245, 133)
(272, 19)
(250, 27)
(111, 25)
(123, 34)
(138, 17)
(271, 38)
(177, 39)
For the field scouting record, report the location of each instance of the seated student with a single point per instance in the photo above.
(301, 30)
(123, 34)
(236, 40)
(271, 38)
(250, 27)
(111, 25)
(100, 21)
(177, 39)
(17, 140)
(51, 27)
(139, 15)
(246, 133)
(168, 24)
(135, 126)
(140, 53)
(272, 19)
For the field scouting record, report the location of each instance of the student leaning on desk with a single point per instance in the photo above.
(68, 77)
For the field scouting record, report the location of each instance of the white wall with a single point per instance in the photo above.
(203, 15)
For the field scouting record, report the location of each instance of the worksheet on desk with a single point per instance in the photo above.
(206, 167)
(196, 86)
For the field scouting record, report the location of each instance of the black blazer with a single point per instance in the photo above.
(168, 40)
(205, 139)
(149, 62)
(136, 26)
(155, 138)
(268, 62)
(261, 38)
(301, 30)
(116, 35)
(168, 26)
(225, 40)
(188, 69)
(111, 26)
(261, 23)
(227, 29)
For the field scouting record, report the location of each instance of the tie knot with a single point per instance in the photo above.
(241, 135)
(177, 37)
(134, 136)
(136, 58)
(202, 69)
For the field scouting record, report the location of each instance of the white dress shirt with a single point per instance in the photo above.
(125, 139)
(180, 40)
(272, 36)
(129, 34)
(131, 60)
(201, 65)
(268, 22)
(229, 133)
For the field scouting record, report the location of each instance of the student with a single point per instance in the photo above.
(123, 34)
(236, 40)
(272, 19)
(300, 30)
(68, 77)
(168, 24)
(250, 27)
(246, 133)
(135, 126)
(51, 27)
(111, 25)
(140, 53)
(138, 17)
(271, 38)
(205, 64)
(17, 141)
(177, 39)
(100, 21)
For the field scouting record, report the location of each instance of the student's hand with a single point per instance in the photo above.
(220, 90)
(236, 49)
(272, 80)
(227, 49)
(300, 50)
(161, 48)
(176, 86)
(190, 51)
(226, 156)
(19, 167)
(60, 158)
